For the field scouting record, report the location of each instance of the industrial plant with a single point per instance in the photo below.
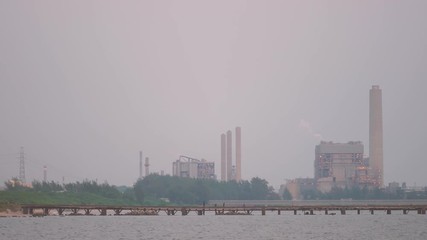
(337, 164)
(193, 168)
(343, 165)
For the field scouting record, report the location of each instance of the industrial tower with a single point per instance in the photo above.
(229, 156)
(147, 166)
(238, 154)
(376, 134)
(140, 164)
(223, 158)
(22, 165)
(228, 170)
(44, 173)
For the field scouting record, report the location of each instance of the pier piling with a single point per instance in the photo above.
(222, 210)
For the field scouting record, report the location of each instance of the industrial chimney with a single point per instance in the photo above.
(223, 158)
(44, 173)
(140, 164)
(147, 165)
(229, 156)
(376, 134)
(238, 154)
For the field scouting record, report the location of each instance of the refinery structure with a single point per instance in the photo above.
(201, 169)
(193, 168)
(343, 165)
(190, 167)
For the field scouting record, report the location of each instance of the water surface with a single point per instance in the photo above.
(271, 226)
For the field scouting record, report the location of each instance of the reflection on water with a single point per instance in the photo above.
(379, 226)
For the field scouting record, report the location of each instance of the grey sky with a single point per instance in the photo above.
(85, 85)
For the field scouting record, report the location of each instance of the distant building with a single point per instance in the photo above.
(298, 187)
(193, 168)
(338, 164)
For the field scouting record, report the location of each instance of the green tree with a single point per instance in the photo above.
(259, 188)
(286, 195)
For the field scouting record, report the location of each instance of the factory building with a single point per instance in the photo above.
(193, 168)
(297, 187)
(337, 164)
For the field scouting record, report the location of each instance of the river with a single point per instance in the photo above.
(271, 226)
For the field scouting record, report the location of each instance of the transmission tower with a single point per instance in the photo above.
(22, 165)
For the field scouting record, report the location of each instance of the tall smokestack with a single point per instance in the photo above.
(376, 134)
(140, 164)
(223, 159)
(229, 156)
(44, 173)
(147, 165)
(238, 154)
(22, 165)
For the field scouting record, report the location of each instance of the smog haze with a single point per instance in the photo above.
(86, 85)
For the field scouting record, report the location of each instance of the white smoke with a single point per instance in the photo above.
(306, 126)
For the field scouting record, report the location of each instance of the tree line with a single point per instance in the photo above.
(197, 191)
(86, 186)
(155, 189)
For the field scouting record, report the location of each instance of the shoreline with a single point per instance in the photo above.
(10, 213)
(11, 210)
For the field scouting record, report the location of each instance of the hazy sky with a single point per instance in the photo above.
(85, 85)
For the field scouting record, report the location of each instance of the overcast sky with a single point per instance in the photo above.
(85, 85)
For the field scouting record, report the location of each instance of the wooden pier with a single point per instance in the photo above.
(223, 209)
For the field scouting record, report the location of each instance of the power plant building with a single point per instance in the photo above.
(341, 165)
(193, 168)
(337, 164)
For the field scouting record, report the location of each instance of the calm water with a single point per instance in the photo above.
(379, 226)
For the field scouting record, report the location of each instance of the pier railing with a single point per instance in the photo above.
(235, 208)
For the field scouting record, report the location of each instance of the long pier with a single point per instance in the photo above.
(307, 208)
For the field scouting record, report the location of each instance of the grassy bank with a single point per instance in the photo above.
(66, 198)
